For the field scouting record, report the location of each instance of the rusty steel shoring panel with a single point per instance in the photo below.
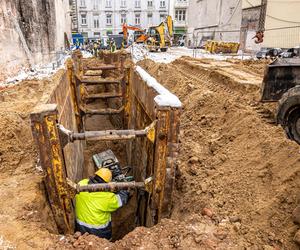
(160, 162)
(72, 81)
(45, 133)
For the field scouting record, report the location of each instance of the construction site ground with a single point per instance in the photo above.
(237, 180)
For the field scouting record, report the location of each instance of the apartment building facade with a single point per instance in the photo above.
(97, 18)
(179, 12)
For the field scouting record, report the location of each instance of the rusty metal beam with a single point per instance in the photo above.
(160, 162)
(98, 81)
(107, 111)
(112, 186)
(103, 95)
(70, 136)
(45, 133)
(102, 67)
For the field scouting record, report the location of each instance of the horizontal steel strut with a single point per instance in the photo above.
(106, 135)
(111, 186)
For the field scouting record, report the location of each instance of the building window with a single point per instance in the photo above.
(162, 3)
(83, 19)
(150, 3)
(180, 15)
(108, 3)
(123, 18)
(162, 17)
(123, 3)
(137, 19)
(149, 16)
(82, 3)
(95, 5)
(96, 22)
(96, 34)
(108, 19)
(138, 3)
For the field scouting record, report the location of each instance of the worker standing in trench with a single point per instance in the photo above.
(93, 209)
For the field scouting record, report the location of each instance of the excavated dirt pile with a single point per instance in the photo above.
(25, 218)
(235, 165)
(238, 176)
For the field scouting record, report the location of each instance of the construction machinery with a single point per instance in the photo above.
(139, 34)
(282, 83)
(221, 47)
(160, 37)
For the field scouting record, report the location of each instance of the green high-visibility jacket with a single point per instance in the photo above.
(93, 209)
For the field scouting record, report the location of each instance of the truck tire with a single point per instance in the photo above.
(288, 113)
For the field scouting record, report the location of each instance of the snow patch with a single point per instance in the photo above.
(38, 72)
(140, 52)
(165, 97)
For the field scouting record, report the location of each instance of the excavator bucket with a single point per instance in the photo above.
(280, 76)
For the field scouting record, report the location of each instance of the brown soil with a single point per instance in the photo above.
(232, 159)
(238, 176)
(25, 220)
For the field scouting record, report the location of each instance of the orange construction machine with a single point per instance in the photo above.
(139, 34)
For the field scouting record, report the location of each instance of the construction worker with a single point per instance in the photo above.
(113, 46)
(77, 44)
(93, 209)
(123, 44)
(95, 49)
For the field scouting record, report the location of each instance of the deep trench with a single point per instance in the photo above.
(124, 220)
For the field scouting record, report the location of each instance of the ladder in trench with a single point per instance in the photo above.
(93, 76)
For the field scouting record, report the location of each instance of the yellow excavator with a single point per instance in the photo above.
(159, 37)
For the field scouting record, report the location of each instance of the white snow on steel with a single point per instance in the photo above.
(164, 97)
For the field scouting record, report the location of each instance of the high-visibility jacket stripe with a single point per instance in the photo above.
(92, 226)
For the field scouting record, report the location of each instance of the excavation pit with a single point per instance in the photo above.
(108, 103)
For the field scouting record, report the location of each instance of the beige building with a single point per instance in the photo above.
(214, 19)
(281, 22)
(178, 9)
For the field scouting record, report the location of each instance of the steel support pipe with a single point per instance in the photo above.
(112, 186)
(108, 135)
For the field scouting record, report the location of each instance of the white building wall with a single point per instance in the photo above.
(209, 16)
(116, 10)
(63, 22)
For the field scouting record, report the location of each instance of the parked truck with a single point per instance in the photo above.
(282, 83)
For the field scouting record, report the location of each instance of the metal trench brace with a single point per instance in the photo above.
(112, 186)
(67, 136)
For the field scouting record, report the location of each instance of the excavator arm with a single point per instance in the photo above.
(134, 28)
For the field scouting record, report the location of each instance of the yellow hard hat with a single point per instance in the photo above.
(105, 174)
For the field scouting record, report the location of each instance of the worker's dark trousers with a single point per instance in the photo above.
(102, 233)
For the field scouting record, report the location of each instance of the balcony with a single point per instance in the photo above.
(180, 23)
(181, 4)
